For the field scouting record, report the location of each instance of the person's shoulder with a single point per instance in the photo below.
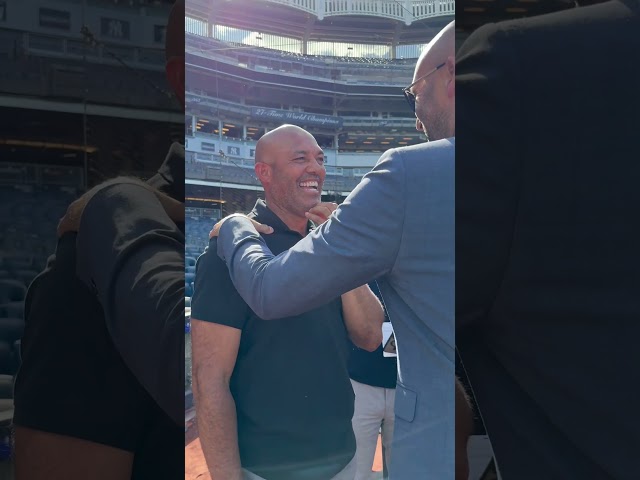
(215, 298)
(400, 162)
(425, 154)
(209, 260)
(541, 31)
(443, 146)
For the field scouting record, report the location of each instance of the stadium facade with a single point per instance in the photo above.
(333, 67)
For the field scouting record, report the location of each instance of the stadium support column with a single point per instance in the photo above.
(396, 40)
(408, 12)
(307, 32)
(220, 129)
(244, 132)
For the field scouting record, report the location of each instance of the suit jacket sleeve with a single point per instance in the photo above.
(131, 255)
(357, 244)
(488, 167)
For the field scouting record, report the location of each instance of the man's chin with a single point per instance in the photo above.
(312, 199)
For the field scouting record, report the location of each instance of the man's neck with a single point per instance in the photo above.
(292, 221)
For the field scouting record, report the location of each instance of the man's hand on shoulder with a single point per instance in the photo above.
(260, 227)
(70, 222)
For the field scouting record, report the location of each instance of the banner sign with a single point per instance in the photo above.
(296, 118)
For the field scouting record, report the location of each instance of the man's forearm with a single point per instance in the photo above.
(218, 430)
(363, 316)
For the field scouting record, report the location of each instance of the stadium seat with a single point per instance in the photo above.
(7, 365)
(18, 262)
(6, 389)
(25, 276)
(12, 310)
(11, 330)
(11, 291)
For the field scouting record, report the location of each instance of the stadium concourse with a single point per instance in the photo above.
(334, 68)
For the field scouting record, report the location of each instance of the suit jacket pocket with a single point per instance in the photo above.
(405, 403)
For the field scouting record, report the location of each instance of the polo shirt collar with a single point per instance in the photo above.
(170, 176)
(264, 215)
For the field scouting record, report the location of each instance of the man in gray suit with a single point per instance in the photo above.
(397, 226)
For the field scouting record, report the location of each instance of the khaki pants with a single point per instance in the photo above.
(373, 409)
(347, 473)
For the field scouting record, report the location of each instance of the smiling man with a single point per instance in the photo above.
(274, 399)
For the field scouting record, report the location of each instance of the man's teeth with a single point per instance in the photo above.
(309, 185)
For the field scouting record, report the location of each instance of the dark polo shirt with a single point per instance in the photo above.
(373, 368)
(290, 383)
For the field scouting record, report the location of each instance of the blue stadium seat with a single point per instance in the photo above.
(11, 291)
(11, 330)
(25, 276)
(12, 310)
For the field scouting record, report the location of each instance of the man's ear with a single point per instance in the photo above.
(451, 78)
(263, 172)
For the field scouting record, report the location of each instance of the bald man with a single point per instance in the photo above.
(99, 392)
(431, 95)
(274, 399)
(433, 101)
(397, 226)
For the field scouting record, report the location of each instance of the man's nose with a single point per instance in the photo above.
(314, 167)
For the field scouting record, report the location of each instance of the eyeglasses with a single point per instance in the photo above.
(410, 96)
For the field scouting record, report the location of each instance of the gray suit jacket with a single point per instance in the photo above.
(397, 226)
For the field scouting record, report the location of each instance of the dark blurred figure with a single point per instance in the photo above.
(547, 262)
(99, 393)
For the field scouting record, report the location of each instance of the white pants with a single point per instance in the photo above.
(347, 473)
(373, 410)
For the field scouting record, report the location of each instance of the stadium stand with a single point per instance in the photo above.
(28, 218)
